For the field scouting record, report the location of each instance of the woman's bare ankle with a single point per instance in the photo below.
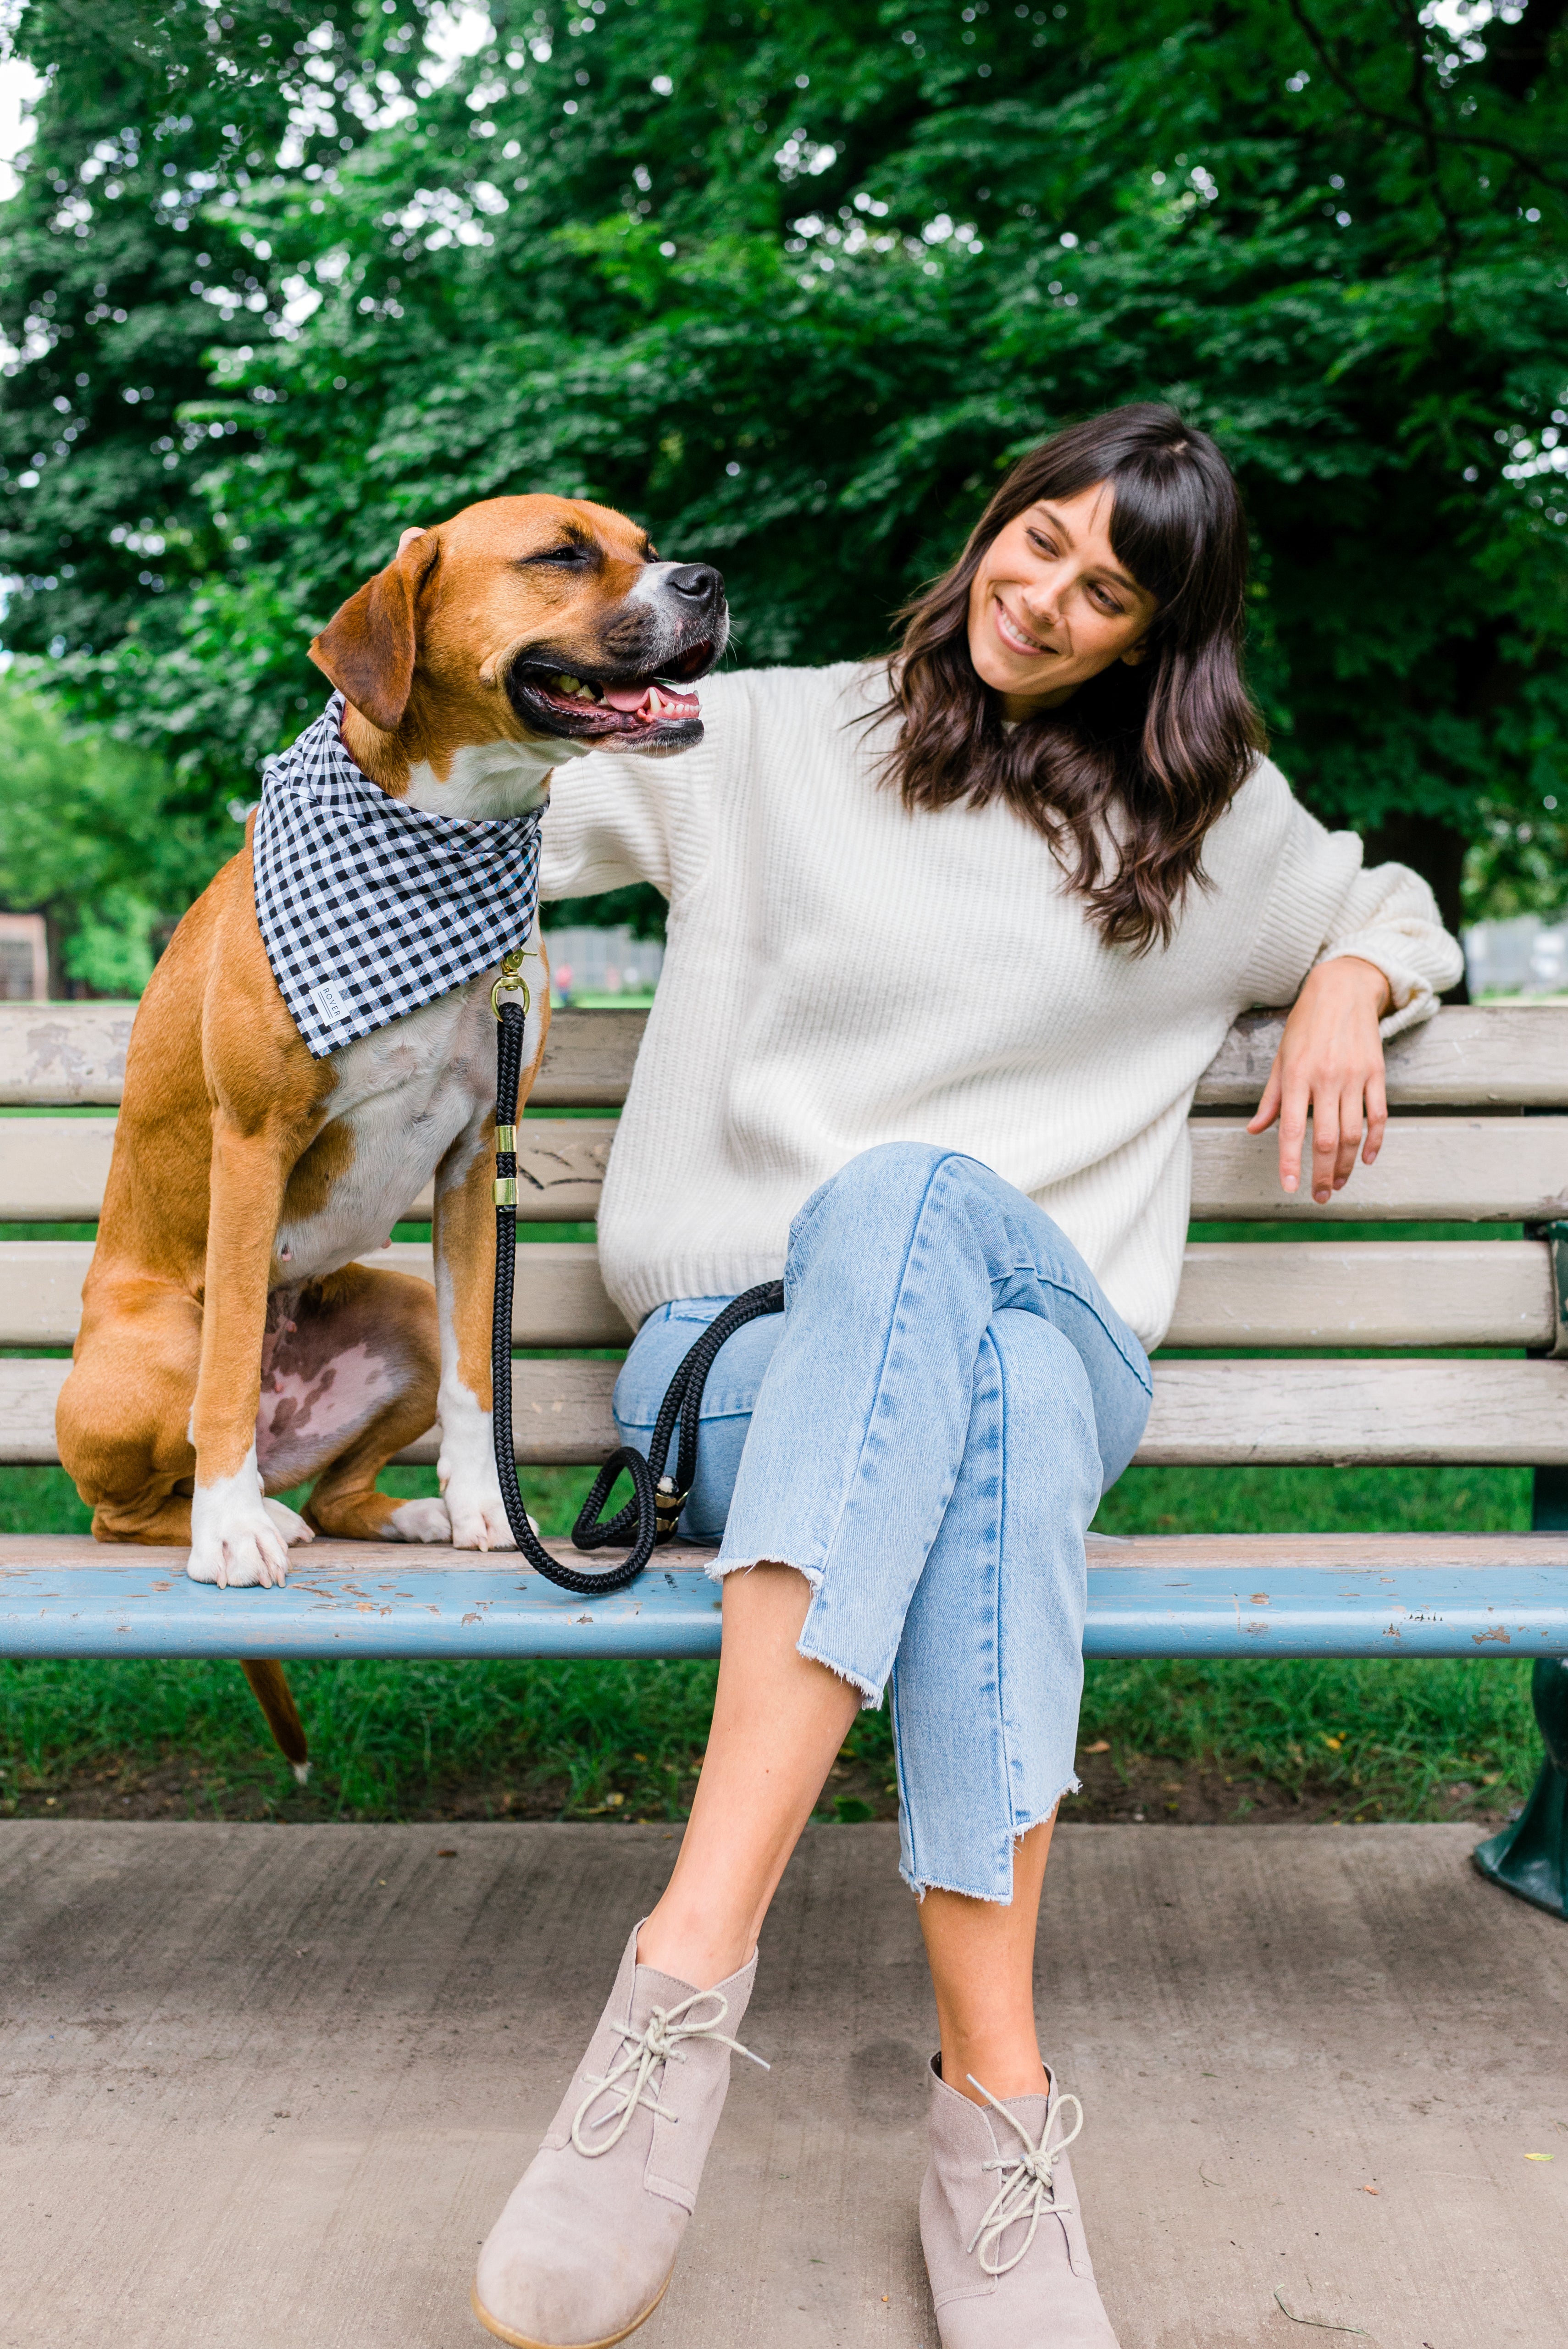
(1006, 2072)
(693, 1950)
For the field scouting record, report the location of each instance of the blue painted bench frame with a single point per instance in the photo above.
(1502, 1596)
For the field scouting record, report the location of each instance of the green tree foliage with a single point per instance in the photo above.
(92, 836)
(792, 282)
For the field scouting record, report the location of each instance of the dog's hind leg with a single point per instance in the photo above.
(351, 1376)
(124, 1412)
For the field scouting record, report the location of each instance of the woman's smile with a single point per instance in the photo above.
(1013, 635)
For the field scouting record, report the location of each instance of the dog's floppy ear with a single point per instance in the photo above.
(367, 647)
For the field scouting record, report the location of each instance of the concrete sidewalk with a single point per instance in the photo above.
(266, 2087)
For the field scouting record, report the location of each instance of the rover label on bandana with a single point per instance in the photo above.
(369, 908)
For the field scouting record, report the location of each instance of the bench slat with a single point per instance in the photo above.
(1471, 1056)
(1370, 1293)
(53, 1170)
(1489, 1056)
(1364, 1293)
(74, 1053)
(1431, 1169)
(1206, 1413)
(1284, 1596)
(1357, 1412)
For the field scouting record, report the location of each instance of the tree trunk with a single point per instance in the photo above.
(1437, 853)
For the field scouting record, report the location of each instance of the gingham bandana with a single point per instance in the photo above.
(369, 907)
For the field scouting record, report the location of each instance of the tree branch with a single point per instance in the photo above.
(1342, 81)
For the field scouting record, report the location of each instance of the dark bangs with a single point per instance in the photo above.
(1126, 778)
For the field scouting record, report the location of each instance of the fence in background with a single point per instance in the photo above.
(1524, 957)
(602, 962)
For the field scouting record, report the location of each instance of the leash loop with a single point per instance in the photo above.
(652, 1515)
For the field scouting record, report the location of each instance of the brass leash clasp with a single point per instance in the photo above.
(511, 980)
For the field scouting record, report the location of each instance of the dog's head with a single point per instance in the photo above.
(533, 619)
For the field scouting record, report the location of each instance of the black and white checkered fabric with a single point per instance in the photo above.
(369, 908)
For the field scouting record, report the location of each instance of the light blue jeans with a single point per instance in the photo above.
(924, 1432)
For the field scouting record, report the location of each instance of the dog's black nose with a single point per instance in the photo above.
(699, 583)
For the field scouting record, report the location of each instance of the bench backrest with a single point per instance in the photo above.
(1477, 1138)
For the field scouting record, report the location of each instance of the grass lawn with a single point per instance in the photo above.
(1159, 1741)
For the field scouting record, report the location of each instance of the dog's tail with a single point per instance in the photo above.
(274, 1694)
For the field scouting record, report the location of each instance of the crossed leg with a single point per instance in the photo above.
(778, 1719)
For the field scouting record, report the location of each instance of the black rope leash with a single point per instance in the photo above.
(653, 1514)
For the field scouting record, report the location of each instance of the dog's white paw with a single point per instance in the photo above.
(419, 1521)
(289, 1523)
(235, 1540)
(467, 1473)
(478, 1517)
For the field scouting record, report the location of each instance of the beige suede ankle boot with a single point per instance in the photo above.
(1004, 2245)
(583, 2250)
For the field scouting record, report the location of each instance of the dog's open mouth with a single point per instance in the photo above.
(560, 701)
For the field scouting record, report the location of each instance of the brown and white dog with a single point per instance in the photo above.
(231, 1346)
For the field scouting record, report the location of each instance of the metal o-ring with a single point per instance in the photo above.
(510, 987)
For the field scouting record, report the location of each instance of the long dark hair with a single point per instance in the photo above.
(1126, 779)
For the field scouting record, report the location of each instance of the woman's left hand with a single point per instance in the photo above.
(1330, 1064)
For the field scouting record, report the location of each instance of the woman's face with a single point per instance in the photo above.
(1050, 605)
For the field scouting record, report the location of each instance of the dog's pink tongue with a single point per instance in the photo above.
(637, 702)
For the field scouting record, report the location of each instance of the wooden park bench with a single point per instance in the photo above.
(1458, 1353)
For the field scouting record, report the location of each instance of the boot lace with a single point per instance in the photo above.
(630, 2078)
(1028, 2191)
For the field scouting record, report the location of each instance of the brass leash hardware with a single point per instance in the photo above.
(667, 1506)
(511, 980)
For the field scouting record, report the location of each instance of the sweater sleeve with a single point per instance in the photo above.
(608, 824)
(1325, 904)
(619, 817)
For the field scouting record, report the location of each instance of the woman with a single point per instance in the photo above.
(951, 942)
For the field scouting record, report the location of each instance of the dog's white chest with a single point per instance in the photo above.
(405, 1096)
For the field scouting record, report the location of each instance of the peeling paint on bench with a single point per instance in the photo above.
(1511, 1598)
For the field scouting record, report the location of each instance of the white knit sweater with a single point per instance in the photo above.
(841, 972)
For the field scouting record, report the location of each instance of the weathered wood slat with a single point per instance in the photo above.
(588, 1060)
(562, 1412)
(1349, 1412)
(1502, 1056)
(53, 1170)
(63, 1052)
(1471, 1056)
(1205, 1413)
(560, 1297)
(1233, 1294)
(1431, 1170)
(1366, 1293)
(71, 1053)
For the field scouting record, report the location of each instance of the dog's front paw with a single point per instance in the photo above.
(478, 1516)
(238, 1539)
(467, 1473)
(419, 1521)
(240, 1555)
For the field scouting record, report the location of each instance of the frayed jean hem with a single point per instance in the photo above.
(870, 1691)
(921, 1884)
